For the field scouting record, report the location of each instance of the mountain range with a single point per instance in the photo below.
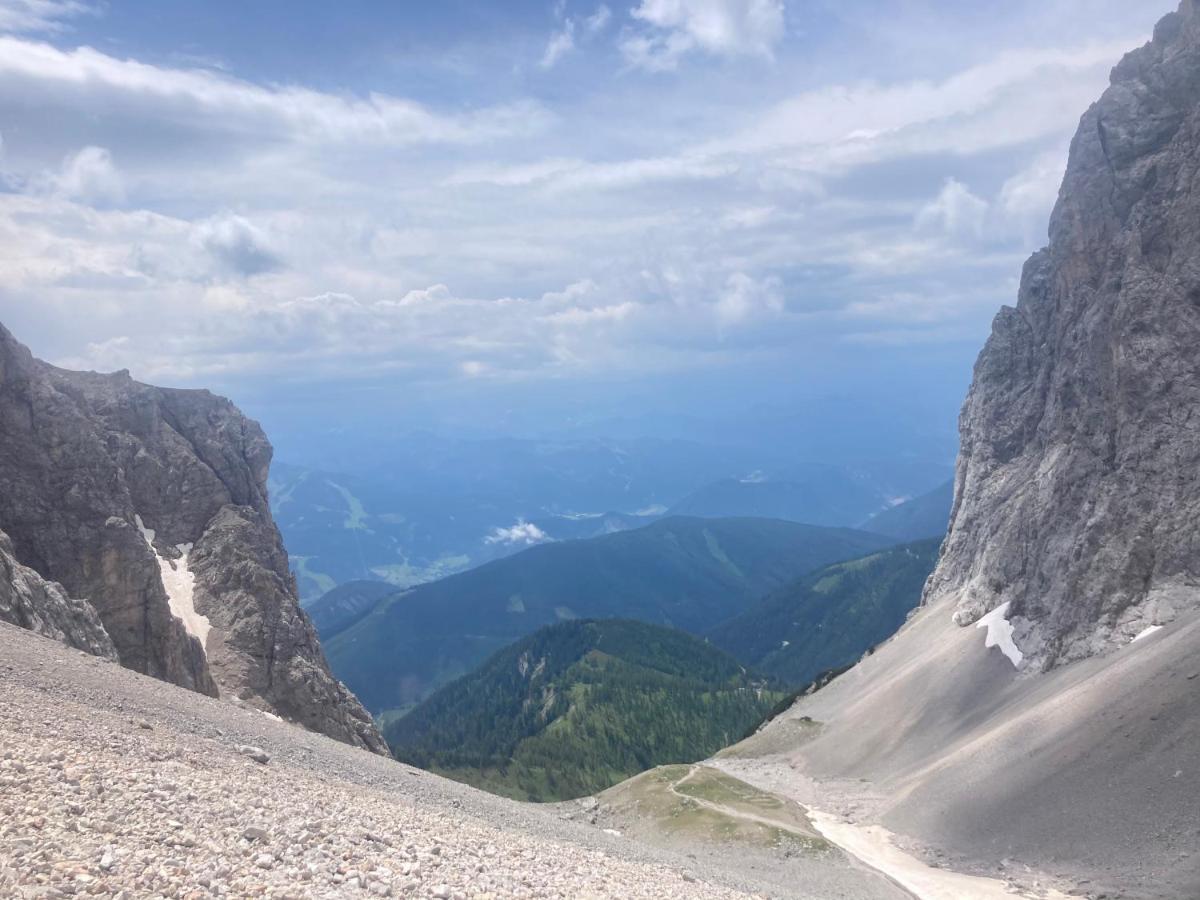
(683, 572)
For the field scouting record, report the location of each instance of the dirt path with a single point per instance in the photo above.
(874, 847)
(734, 813)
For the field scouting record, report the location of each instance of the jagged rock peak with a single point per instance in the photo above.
(1077, 496)
(151, 503)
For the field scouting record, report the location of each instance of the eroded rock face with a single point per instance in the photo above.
(1078, 485)
(151, 503)
(29, 601)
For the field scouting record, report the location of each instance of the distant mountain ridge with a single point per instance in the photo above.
(684, 572)
(924, 516)
(575, 707)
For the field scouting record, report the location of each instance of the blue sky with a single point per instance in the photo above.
(527, 211)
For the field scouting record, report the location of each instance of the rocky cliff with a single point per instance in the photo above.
(28, 600)
(151, 504)
(1077, 497)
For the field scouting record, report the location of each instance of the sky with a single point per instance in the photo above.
(511, 216)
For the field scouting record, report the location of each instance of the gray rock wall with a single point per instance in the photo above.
(1078, 484)
(152, 504)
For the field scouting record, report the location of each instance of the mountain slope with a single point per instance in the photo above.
(151, 504)
(827, 496)
(1030, 714)
(576, 707)
(926, 516)
(341, 607)
(829, 618)
(687, 573)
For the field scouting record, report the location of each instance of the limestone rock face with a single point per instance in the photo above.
(29, 601)
(1077, 496)
(152, 504)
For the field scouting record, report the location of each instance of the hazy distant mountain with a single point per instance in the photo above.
(830, 617)
(813, 493)
(576, 707)
(684, 572)
(926, 516)
(345, 604)
(439, 506)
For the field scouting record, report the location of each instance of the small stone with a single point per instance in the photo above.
(144, 725)
(254, 833)
(264, 861)
(258, 754)
(441, 892)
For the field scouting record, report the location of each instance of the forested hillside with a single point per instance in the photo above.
(574, 708)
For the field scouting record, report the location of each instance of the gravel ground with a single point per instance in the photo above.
(117, 785)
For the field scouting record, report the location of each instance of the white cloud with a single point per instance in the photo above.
(598, 21)
(1012, 98)
(1027, 198)
(216, 226)
(562, 41)
(745, 297)
(237, 245)
(89, 176)
(204, 101)
(672, 28)
(39, 15)
(955, 211)
(523, 533)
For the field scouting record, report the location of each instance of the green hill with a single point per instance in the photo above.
(829, 618)
(686, 573)
(577, 707)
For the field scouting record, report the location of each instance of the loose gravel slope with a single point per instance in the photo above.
(117, 785)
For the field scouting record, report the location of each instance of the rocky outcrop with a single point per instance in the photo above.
(152, 504)
(1078, 485)
(29, 601)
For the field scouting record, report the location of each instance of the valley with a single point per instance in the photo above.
(614, 550)
(688, 573)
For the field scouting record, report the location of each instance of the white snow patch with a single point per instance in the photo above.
(180, 585)
(1000, 633)
(1146, 632)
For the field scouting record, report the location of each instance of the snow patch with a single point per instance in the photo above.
(1146, 632)
(180, 585)
(1000, 634)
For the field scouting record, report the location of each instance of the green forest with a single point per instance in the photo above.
(574, 708)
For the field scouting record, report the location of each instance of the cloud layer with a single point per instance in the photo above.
(662, 185)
